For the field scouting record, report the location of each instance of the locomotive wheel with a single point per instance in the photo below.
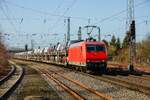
(80, 68)
(84, 69)
(103, 70)
(76, 68)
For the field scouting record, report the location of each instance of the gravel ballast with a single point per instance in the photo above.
(115, 91)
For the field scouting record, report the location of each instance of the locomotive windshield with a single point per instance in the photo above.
(95, 48)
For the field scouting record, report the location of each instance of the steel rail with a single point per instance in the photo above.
(141, 77)
(105, 97)
(5, 78)
(6, 94)
(66, 88)
(122, 82)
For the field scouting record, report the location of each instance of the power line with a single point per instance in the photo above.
(9, 11)
(7, 16)
(137, 24)
(33, 10)
(59, 5)
(119, 13)
(42, 12)
(68, 8)
(82, 18)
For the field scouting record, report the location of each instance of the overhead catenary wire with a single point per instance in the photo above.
(74, 17)
(8, 18)
(121, 12)
(57, 8)
(42, 12)
(59, 5)
(9, 11)
(68, 8)
(137, 24)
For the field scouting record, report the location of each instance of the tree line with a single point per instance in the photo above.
(119, 51)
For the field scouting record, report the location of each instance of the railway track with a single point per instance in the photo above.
(55, 76)
(118, 81)
(123, 82)
(9, 83)
(5, 78)
(124, 66)
(142, 78)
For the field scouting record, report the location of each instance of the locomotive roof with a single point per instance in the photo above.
(87, 42)
(96, 42)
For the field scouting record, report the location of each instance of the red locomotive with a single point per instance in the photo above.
(90, 55)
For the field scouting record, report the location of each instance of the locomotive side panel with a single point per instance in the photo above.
(77, 55)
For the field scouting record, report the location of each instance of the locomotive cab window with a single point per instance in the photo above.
(90, 48)
(95, 48)
(100, 48)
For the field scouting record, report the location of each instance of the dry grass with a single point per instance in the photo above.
(3, 58)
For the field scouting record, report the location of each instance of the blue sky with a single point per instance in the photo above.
(42, 21)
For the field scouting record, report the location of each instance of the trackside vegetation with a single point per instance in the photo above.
(3, 56)
(119, 51)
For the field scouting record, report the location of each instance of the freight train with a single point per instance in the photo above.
(87, 55)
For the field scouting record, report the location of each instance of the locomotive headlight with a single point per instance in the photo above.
(88, 60)
(103, 60)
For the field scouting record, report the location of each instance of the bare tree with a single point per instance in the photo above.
(3, 56)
